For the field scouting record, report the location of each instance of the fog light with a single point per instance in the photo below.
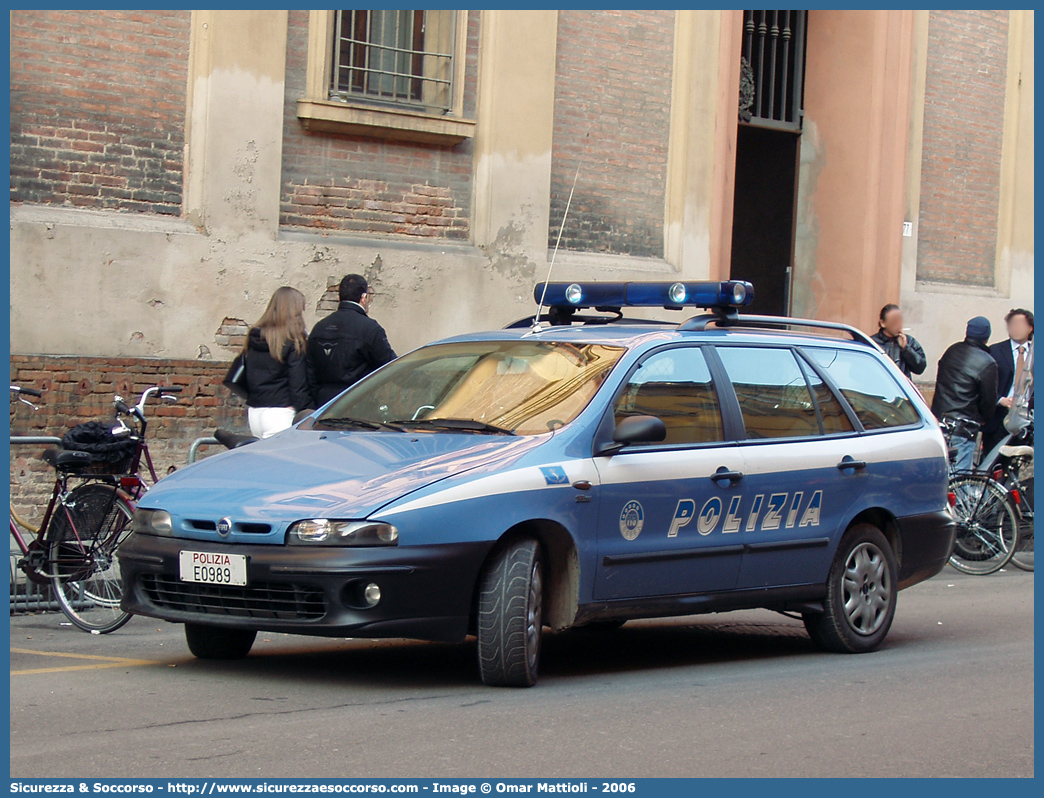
(372, 594)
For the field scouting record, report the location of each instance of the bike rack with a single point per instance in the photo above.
(194, 448)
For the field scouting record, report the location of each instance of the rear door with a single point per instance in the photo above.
(797, 494)
(663, 525)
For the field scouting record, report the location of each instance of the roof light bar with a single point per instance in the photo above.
(677, 295)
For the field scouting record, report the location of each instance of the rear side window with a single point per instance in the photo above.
(835, 419)
(675, 386)
(772, 392)
(874, 395)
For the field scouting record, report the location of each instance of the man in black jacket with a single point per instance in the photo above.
(347, 345)
(966, 388)
(1011, 356)
(902, 348)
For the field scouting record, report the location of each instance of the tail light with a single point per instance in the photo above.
(951, 497)
(1015, 495)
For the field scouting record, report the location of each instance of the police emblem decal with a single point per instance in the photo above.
(632, 519)
(555, 475)
(224, 527)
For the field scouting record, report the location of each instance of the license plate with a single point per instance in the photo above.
(211, 568)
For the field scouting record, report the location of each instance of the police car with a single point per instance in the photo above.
(582, 468)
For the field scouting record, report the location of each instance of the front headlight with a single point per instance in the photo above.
(324, 532)
(152, 522)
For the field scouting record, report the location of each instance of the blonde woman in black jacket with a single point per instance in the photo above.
(278, 383)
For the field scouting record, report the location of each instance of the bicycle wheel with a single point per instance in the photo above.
(83, 537)
(1023, 556)
(987, 526)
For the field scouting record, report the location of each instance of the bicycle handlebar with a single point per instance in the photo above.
(26, 391)
(138, 410)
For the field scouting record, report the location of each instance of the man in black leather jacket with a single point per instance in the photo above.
(347, 345)
(966, 388)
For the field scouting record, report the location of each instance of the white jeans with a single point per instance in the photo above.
(267, 421)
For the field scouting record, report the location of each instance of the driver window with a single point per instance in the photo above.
(675, 386)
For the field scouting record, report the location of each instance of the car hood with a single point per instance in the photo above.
(307, 474)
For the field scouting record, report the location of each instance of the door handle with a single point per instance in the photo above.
(723, 475)
(848, 463)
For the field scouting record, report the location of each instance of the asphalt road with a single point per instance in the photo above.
(739, 694)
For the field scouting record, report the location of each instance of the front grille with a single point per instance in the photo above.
(263, 600)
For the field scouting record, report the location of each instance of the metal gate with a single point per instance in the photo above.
(772, 77)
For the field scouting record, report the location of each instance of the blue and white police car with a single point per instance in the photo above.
(583, 468)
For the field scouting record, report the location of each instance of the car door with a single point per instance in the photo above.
(663, 523)
(798, 493)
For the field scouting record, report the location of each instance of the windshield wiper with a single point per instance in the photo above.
(345, 421)
(456, 424)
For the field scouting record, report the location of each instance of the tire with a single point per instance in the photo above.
(987, 525)
(861, 594)
(510, 616)
(1023, 556)
(83, 535)
(215, 642)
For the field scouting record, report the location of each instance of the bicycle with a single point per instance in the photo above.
(987, 525)
(84, 525)
(1013, 468)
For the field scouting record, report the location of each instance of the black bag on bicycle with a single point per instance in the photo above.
(109, 454)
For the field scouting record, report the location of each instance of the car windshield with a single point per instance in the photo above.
(505, 387)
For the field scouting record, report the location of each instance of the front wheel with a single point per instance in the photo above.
(213, 642)
(83, 535)
(987, 525)
(861, 594)
(510, 616)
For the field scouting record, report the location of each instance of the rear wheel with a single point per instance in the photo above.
(510, 616)
(987, 525)
(861, 594)
(1023, 556)
(83, 535)
(214, 642)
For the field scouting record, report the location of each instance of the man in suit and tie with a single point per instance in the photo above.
(1011, 358)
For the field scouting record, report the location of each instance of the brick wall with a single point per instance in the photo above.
(963, 129)
(98, 108)
(612, 117)
(367, 185)
(78, 389)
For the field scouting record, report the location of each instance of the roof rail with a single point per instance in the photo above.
(565, 316)
(700, 323)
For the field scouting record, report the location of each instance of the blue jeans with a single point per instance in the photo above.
(965, 453)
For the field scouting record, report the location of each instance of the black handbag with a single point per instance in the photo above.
(235, 380)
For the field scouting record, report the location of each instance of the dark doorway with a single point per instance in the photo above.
(771, 112)
(763, 215)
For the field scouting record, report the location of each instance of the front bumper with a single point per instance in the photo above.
(926, 542)
(426, 591)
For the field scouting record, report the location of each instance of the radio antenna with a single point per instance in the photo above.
(561, 227)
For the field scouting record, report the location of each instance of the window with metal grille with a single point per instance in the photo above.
(394, 57)
(772, 74)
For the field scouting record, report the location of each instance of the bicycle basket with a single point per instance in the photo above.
(109, 454)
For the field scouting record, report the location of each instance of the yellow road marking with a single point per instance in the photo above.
(97, 663)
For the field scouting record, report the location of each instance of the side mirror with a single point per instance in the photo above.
(635, 429)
